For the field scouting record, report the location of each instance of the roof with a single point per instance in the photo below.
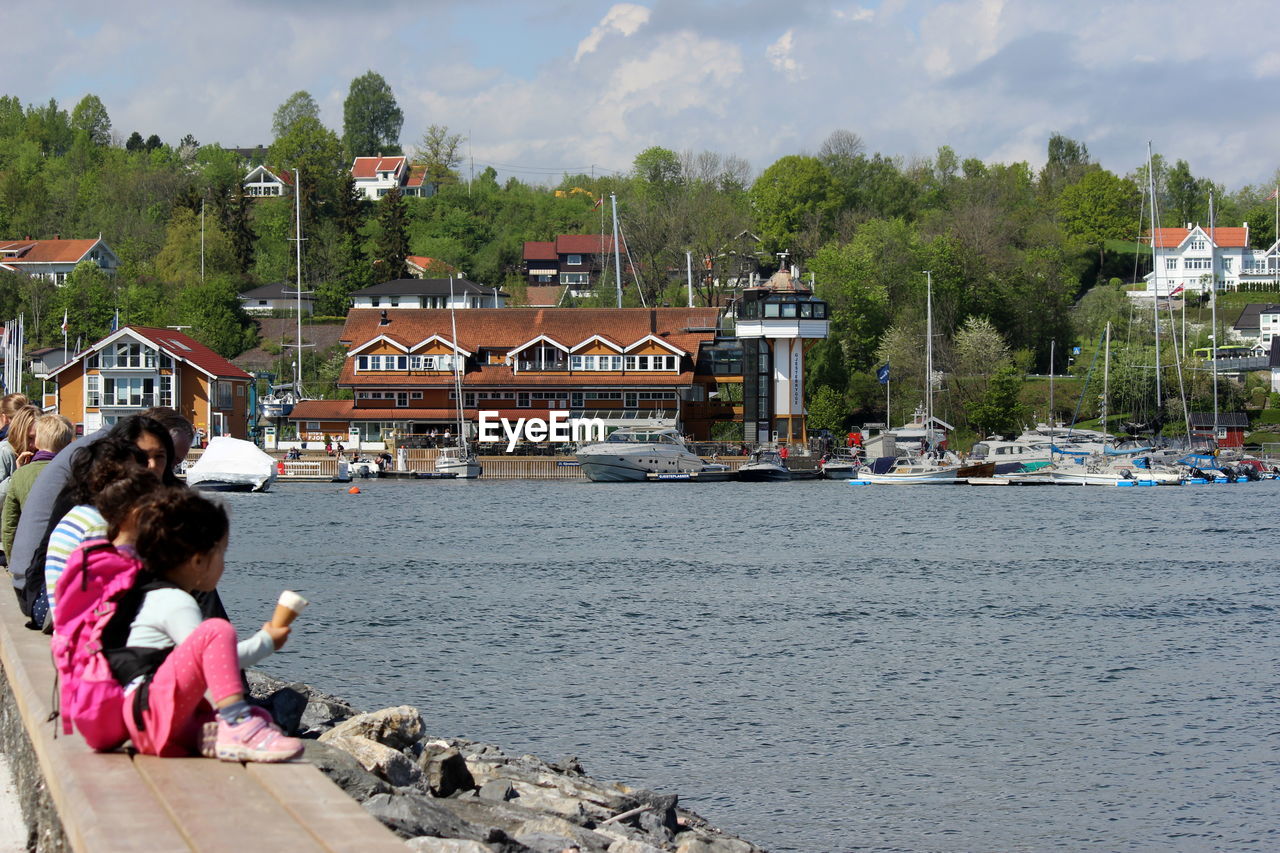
(1250, 317)
(56, 251)
(567, 244)
(422, 262)
(182, 347)
(1171, 238)
(425, 287)
(508, 328)
(278, 290)
(417, 175)
(1234, 420)
(544, 295)
(539, 251)
(367, 168)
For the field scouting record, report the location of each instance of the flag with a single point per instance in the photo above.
(78, 339)
(599, 202)
(1176, 290)
(1275, 192)
(64, 321)
(882, 374)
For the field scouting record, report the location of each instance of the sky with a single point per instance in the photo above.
(545, 88)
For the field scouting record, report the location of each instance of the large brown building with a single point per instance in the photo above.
(627, 366)
(136, 368)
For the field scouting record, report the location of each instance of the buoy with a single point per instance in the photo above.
(354, 490)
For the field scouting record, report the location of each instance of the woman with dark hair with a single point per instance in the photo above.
(153, 439)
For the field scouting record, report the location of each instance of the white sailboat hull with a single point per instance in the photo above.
(633, 463)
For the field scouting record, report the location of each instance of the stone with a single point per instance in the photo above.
(626, 845)
(377, 758)
(427, 844)
(410, 816)
(539, 831)
(444, 771)
(498, 791)
(720, 844)
(664, 805)
(655, 826)
(346, 772)
(398, 727)
(320, 711)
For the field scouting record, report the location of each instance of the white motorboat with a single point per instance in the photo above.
(926, 469)
(460, 462)
(232, 465)
(631, 454)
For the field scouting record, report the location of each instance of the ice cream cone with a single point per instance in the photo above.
(288, 608)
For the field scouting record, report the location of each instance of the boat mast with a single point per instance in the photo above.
(1213, 338)
(1106, 377)
(617, 251)
(928, 358)
(1052, 420)
(1155, 272)
(457, 376)
(297, 232)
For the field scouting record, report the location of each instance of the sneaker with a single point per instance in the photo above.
(209, 732)
(255, 739)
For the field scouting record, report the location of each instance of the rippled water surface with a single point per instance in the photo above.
(816, 666)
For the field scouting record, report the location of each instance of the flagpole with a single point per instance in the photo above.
(66, 356)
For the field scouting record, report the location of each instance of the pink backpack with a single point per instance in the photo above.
(92, 590)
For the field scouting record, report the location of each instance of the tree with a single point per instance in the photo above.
(1188, 196)
(839, 147)
(827, 410)
(134, 143)
(217, 320)
(999, 411)
(794, 196)
(1104, 303)
(297, 106)
(90, 118)
(317, 152)
(657, 168)
(1067, 162)
(978, 351)
(153, 142)
(371, 120)
(1098, 208)
(393, 238)
(439, 153)
(87, 299)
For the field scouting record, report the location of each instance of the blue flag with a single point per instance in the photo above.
(882, 374)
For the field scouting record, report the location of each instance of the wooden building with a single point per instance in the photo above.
(627, 366)
(136, 368)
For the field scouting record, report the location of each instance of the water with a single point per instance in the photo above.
(816, 666)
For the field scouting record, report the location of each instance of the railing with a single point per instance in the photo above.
(531, 468)
(323, 469)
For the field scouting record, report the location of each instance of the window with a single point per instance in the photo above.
(542, 279)
(166, 390)
(573, 261)
(575, 400)
(630, 400)
(468, 399)
(1170, 264)
(134, 391)
(1226, 264)
(402, 399)
(222, 395)
(573, 278)
(1198, 245)
(415, 395)
(93, 390)
(522, 400)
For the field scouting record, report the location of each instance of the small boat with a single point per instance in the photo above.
(631, 454)
(232, 465)
(764, 466)
(925, 469)
(839, 467)
(458, 461)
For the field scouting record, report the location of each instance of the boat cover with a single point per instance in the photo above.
(234, 461)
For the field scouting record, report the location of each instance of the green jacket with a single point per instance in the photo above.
(19, 486)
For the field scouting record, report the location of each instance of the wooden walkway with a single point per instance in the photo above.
(122, 802)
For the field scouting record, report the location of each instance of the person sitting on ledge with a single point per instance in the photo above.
(181, 538)
(53, 433)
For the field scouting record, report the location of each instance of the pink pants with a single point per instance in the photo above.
(205, 661)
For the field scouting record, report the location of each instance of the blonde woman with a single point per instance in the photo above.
(10, 405)
(53, 433)
(19, 447)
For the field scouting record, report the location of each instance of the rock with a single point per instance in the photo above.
(376, 758)
(722, 844)
(444, 771)
(498, 791)
(410, 816)
(555, 834)
(626, 845)
(655, 826)
(398, 727)
(664, 806)
(320, 711)
(348, 773)
(427, 844)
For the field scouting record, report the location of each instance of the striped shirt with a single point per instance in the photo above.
(81, 523)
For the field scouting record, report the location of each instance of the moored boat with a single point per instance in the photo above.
(764, 466)
(631, 454)
(232, 465)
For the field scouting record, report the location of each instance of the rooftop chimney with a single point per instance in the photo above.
(384, 321)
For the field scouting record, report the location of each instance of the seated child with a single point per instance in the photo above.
(53, 432)
(181, 539)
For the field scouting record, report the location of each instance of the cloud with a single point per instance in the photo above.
(779, 56)
(624, 18)
(854, 14)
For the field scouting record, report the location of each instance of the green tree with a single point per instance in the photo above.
(999, 411)
(827, 410)
(1100, 207)
(439, 152)
(1102, 304)
(297, 106)
(87, 299)
(1067, 162)
(393, 237)
(371, 120)
(90, 118)
(792, 200)
(978, 352)
(1188, 196)
(217, 320)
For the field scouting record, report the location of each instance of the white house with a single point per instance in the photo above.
(55, 259)
(1188, 259)
(429, 293)
(275, 297)
(376, 176)
(261, 182)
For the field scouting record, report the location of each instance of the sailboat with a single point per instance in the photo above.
(459, 460)
(932, 466)
(281, 398)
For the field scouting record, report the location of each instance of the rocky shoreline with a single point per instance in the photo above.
(448, 795)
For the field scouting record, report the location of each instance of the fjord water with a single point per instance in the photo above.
(816, 666)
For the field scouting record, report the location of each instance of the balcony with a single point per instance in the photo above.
(534, 366)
